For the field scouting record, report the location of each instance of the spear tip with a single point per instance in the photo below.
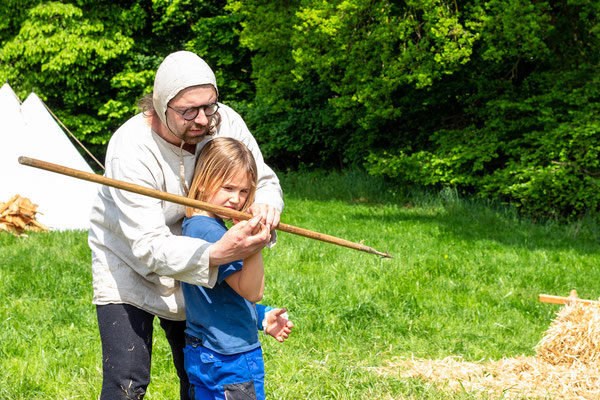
(386, 255)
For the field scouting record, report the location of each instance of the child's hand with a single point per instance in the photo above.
(268, 214)
(260, 227)
(278, 325)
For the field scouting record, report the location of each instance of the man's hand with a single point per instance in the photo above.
(267, 213)
(242, 240)
(278, 325)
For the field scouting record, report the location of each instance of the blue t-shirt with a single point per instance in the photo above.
(221, 318)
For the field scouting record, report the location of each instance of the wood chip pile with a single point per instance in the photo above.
(566, 364)
(18, 215)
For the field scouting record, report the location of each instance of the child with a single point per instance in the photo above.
(223, 357)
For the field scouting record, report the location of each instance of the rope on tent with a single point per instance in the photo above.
(73, 136)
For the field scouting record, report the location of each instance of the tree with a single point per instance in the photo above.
(345, 66)
(524, 126)
(494, 97)
(92, 60)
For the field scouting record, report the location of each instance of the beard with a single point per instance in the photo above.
(191, 133)
(195, 133)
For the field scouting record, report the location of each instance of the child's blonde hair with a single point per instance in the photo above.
(219, 160)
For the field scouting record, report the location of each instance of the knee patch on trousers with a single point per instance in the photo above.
(240, 391)
(135, 393)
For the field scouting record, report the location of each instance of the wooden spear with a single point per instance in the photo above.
(130, 187)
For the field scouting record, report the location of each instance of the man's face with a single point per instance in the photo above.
(193, 131)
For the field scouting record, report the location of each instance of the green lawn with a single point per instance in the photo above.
(464, 281)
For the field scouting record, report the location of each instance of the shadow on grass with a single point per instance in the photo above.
(460, 218)
(351, 186)
(477, 223)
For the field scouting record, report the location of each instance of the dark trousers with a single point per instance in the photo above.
(126, 334)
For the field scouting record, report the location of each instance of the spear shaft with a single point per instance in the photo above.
(238, 215)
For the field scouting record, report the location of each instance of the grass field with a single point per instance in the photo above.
(464, 281)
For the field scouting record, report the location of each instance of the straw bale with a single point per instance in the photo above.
(566, 364)
(18, 215)
(573, 337)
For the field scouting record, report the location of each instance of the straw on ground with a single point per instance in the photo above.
(566, 364)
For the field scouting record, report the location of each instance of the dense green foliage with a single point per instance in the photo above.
(91, 61)
(464, 281)
(494, 97)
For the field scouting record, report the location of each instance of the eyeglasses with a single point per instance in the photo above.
(191, 113)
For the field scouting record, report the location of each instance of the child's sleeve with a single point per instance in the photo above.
(227, 269)
(212, 233)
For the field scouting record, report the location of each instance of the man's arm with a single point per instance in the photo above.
(140, 225)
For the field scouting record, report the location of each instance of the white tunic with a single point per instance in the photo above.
(138, 255)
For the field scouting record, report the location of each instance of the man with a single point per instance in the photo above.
(138, 255)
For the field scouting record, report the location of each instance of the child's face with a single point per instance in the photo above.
(233, 192)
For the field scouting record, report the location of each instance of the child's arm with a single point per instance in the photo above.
(249, 282)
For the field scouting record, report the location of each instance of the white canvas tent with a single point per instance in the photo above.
(28, 129)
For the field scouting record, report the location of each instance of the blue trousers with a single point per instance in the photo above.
(215, 376)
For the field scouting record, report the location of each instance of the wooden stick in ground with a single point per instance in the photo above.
(32, 162)
(546, 298)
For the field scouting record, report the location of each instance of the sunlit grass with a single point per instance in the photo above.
(464, 281)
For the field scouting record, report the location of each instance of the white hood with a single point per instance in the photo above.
(178, 71)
